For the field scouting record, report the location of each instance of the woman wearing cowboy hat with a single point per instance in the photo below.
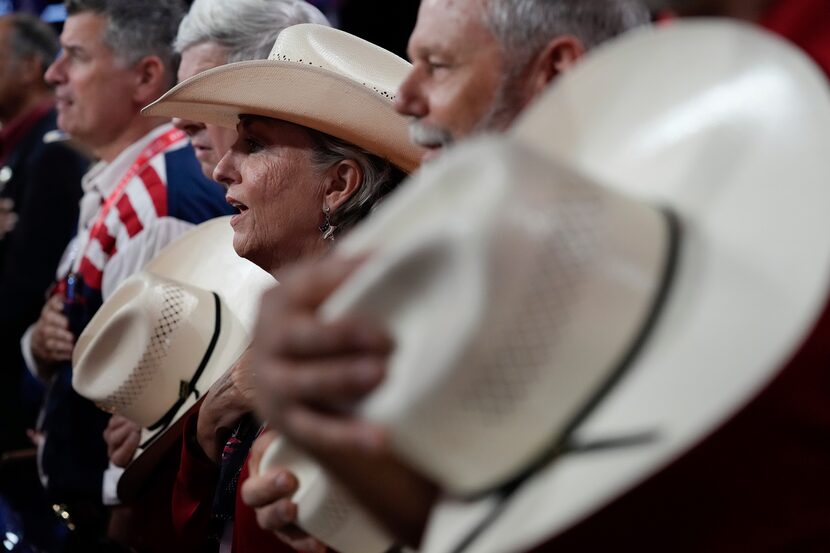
(319, 144)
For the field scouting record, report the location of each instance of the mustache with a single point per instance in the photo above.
(423, 134)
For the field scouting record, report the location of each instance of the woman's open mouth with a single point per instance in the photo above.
(239, 206)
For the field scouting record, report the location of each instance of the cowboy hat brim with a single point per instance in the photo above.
(301, 94)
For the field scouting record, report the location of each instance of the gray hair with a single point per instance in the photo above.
(32, 38)
(380, 177)
(524, 26)
(246, 28)
(138, 28)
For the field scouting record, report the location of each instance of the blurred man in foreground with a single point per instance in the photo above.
(476, 65)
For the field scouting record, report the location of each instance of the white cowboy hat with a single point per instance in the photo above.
(166, 334)
(317, 77)
(542, 301)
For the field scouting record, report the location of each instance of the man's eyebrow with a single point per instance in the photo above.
(73, 49)
(425, 50)
(420, 51)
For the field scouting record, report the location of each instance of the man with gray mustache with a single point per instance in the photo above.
(478, 63)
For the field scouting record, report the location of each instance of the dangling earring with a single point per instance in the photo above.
(327, 229)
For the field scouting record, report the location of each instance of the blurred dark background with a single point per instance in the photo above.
(385, 23)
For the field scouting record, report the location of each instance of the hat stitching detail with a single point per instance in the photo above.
(282, 57)
(334, 513)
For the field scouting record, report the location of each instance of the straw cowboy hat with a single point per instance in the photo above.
(317, 77)
(576, 306)
(166, 334)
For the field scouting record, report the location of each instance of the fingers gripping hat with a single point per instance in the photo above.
(324, 508)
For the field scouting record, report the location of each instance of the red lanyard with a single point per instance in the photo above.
(158, 145)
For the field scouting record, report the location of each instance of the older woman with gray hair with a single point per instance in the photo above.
(214, 33)
(318, 145)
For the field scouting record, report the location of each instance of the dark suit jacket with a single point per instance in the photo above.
(46, 188)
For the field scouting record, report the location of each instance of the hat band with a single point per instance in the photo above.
(563, 443)
(187, 388)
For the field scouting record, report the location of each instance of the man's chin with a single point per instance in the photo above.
(65, 124)
(72, 126)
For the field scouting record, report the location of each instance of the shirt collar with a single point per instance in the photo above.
(104, 177)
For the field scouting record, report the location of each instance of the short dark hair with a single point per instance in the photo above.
(138, 28)
(32, 38)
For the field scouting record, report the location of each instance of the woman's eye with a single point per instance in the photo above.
(253, 146)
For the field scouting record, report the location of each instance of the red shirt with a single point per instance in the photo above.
(806, 23)
(193, 501)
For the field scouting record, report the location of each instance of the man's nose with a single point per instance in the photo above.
(410, 100)
(54, 73)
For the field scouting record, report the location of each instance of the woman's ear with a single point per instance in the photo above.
(342, 181)
(558, 55)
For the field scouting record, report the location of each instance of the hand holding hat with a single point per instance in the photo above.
(269, 493)
(227, 401)
(308, 369)
(308, 372)
(123, 437)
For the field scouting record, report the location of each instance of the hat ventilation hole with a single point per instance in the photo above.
(175, 302)
(282, 57)
(513, 357)
(334, 513)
